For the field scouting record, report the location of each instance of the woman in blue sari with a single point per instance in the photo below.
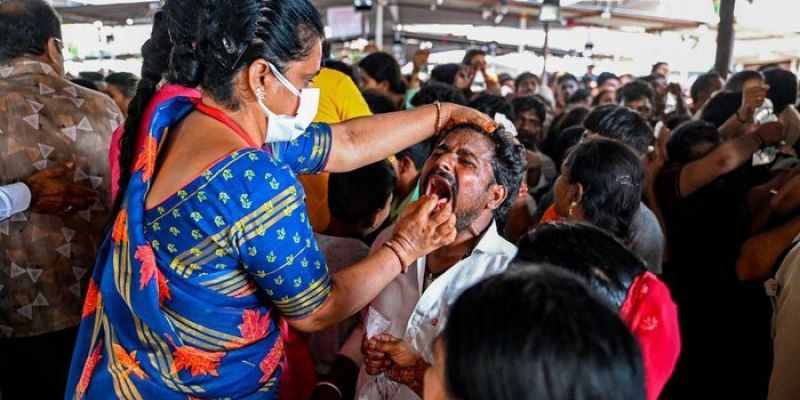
(211, 249)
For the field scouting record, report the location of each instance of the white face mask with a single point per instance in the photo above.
(285, 128)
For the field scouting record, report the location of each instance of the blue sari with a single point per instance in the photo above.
(186, 298)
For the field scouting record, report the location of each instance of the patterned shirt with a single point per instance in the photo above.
(46, 121)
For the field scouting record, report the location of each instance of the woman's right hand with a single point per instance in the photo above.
(423, 227)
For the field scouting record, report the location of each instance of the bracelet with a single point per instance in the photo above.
(390, 245)
(332, 386)
(738, 118)
(437, 127)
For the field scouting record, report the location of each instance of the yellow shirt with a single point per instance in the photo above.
(340, 100)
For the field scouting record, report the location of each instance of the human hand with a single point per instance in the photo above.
(675, 89)
(771, 133)
(53, 193)
(453, 115)
(375, 361)
(752, 98)
(423, 227)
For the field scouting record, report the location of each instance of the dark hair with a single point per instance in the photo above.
(564, 142)
(529, 103)
(207, 46)
(612, 177)
(344, 68)
(435, 91)
(673, 121)
(656, 65)
(508, 163)
(587, 251)
(525, 76)
(538, 333)
(125, 81)
(418, 153)
(623, 124)
(736, 82)
(359, 194)
(26, 26)
(567, 77)
(636, 90)
(378, 102)
(445, 73)
(382, 67)
(85, 83)
(720, 107)
(782, 88)
(579, 96)
(605, 76)
(574, 117)
(703, 84)
(596, 99)
(684, 139)
(490, 104)
(470, 54)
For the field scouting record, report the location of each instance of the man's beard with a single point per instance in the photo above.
(527, 138)
(465, 218)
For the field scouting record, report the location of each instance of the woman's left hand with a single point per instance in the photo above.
(453, 115)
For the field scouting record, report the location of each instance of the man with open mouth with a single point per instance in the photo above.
(477, 175)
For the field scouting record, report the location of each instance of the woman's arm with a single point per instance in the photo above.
(366, 140)
(759, 254)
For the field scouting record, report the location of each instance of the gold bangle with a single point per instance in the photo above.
(437, 127)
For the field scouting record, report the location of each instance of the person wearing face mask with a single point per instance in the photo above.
(211, 253)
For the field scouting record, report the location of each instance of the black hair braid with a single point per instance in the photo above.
(155, 54)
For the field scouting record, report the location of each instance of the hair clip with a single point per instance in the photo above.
(625, 180)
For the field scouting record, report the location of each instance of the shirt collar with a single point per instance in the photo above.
(22, 67)
(491, 242)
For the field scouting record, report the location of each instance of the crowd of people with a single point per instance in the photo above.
(254, 219)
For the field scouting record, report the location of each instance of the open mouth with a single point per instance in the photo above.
(440, 187)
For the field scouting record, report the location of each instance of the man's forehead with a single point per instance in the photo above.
(467, 138)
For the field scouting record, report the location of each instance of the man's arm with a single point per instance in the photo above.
(14, 198)
(759, 254)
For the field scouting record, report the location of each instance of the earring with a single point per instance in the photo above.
(260, 93)
(572, 208)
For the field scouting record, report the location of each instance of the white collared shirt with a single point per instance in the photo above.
(419, 317)
(14, 199)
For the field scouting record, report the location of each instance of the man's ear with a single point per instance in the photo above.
(497, 195)
(54, 55)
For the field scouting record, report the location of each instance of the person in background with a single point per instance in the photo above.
(619, 278)
(638, 96)
(121, 87)
(530, 114)
(604, 97)
(457, 75)
(492, 104)
(436, 91)
(743, 79)
(340, 100)
(601, 183)
(476, 60)
(550, 322)
(608, 81)
(506, 82)
(705, 86)
(625, 79)
(732, 113)
(567, 85)
(55, 138)
(782, 93)
(704, 197)
(360, 202)
(382, 72)
(660, 68)
(581, 98)
(526, 84)
(378, 101)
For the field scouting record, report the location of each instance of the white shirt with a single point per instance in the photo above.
(418, 317)
(785, 292)
(14, 199)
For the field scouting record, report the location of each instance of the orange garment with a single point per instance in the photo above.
(340, 100)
